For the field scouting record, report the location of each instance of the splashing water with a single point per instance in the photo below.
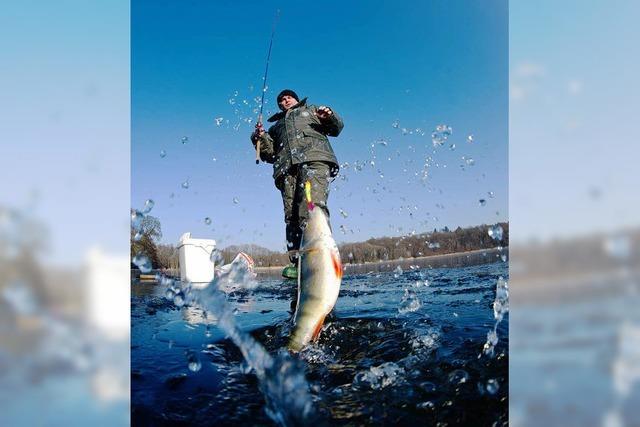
(500, 308)
(410, 302)
(136, 220)
(142, 262)
(148, 205)
(379, 377)
(193, 361)
(281, 378)
(440, 135)
(492, 386)
(495, 232)
(397, 272)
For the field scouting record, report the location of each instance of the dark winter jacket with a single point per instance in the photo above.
(299, 136)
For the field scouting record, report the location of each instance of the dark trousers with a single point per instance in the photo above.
(296, 212)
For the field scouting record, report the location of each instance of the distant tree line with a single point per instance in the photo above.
(437, 242)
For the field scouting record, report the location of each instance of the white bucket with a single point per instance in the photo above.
(196, 265)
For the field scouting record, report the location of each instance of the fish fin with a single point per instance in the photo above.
(337, 266)
(318, 329)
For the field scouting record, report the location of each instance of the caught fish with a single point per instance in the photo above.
(320, 274)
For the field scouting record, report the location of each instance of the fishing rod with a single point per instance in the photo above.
(264, 83)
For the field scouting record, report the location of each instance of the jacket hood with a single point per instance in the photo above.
(278, 116)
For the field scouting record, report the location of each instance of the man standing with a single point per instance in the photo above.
(300, 151)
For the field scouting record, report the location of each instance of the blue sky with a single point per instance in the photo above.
(420, 64)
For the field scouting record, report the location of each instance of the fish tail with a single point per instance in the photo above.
(307, 193)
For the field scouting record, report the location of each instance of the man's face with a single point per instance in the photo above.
(286, 102)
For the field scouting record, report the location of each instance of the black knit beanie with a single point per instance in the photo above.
(287, 92)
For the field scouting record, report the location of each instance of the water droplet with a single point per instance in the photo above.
(410, 302)
(216, 257)
(382, 142)
(395, 124)
(491, 194)
(193, 362)
(452, 147)
(185, 184)
(138, 236)
(440, 135)
(495, 232)
(397, 272)
(458, 376)
(214, 159)
(469, 161)
(207, 221)
(148, 205)
(343, 213)
(482, 202)
(470, 138)
(143, 263)
(184, 140)
(163, 154)
(235, 201)
(136, 219)
(219, 121)
(178, 300)
(428, 405)
(492, 386)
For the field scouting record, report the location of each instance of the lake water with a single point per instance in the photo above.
(401, 347)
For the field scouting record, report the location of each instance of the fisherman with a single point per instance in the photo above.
(300, 151)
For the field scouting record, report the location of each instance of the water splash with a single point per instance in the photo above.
(379, 377)
(500, 308)
(397, 272)
(440, 135)
(148, 205)
(495, 232)
(410, 302)
(281, 378)
(142, 262)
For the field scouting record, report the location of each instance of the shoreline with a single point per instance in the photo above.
(455, 259)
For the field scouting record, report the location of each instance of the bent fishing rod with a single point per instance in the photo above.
(264, 83)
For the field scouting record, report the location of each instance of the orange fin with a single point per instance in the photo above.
(318, 329)
(337, 266)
